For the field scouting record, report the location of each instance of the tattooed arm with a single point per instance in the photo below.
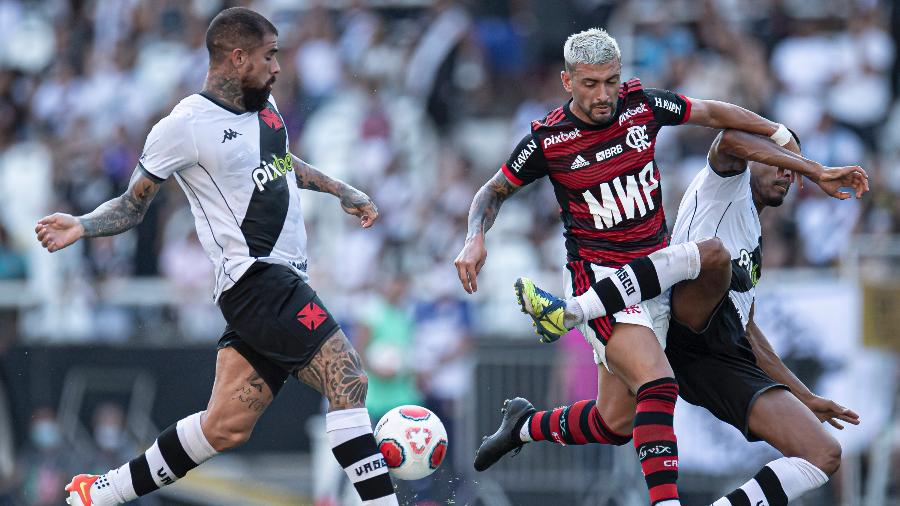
(115, 216)
(482, 214)
(352, 200)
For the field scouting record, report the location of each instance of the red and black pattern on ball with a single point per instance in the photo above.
(393, 452)
(437, 454)
(415, 413)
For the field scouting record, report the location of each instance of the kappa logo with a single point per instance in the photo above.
(637, 137)
(229, 134)
(561, 137)
(580, 162)
(311, 316)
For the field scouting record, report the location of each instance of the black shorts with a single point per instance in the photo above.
(274, 320)
(716, 369)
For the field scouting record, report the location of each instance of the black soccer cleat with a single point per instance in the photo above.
(506, 439)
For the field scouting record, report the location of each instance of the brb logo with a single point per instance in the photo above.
(272, 171)
(633, 194)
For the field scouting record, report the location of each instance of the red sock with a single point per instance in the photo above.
(577, 424)
(654, 438)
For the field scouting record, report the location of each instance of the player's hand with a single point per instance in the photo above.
(469, 262)
(359, 204)
(833, 179)
(57, 231)
(826, 410)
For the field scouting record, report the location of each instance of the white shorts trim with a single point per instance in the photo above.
(653, 314)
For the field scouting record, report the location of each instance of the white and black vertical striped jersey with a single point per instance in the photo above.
(237, 172)
(722, 206)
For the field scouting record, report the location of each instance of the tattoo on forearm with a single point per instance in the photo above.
(311, 178)
(487, 202)
(123, 212)
(252, 394)
(336, 372)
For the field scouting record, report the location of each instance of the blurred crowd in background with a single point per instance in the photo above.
(417, 103)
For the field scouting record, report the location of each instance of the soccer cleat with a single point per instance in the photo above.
(546, 309)
(79, 490)
(506, 439)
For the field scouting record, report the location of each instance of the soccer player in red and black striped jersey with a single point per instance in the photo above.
(598, 152)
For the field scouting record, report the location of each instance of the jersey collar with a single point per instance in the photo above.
(223, 105)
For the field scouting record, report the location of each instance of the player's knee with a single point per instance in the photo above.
(714, 256)
(827, 456)
(226, 434)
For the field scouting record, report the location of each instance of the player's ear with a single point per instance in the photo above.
(238, 57)
(566, 79)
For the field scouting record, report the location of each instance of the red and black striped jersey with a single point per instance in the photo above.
(605, 176)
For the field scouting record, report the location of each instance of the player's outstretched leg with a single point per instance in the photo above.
(336, 372)
(226, 423)
(811, 453)
(606, 420)
(641, 279)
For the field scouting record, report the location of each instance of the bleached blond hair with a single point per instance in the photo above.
(593, 46)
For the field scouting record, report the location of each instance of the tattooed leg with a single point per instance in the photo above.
(336, 372)
(238, 399)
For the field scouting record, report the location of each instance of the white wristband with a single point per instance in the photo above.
(781, 136)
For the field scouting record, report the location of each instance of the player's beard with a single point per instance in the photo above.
(255, 98)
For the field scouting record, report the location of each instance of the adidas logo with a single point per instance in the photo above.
(580, 162)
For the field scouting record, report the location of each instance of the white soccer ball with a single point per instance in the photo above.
(413, 441)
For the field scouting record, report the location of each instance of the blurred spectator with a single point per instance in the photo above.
(12, 262)
(46, 465)
(385, 342)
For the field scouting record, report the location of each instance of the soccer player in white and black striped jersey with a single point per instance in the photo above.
(227, 148)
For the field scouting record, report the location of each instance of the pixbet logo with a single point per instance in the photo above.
(272, 171)
(634, 111)
(561, 137)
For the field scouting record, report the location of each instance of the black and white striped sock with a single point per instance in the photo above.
(779, 482)
(639, 280)
(350, 435)
(177, 450)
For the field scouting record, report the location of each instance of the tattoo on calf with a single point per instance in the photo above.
(336, 372)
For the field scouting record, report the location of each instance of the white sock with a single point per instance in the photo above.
(641, 279)
(350, 436)
(181, 447)
(525, 432)
(779, 482)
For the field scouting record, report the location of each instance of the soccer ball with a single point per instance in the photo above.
(413, 441)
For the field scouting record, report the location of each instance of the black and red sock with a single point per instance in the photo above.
(654, 438)
(576, 424)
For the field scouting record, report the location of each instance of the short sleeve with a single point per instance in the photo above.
(169, 148)
(668, 108)
(728, 187)
(526, 163)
